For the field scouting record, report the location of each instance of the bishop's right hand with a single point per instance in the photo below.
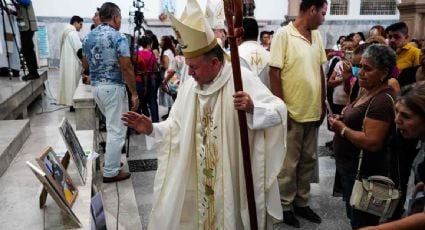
(138, 122)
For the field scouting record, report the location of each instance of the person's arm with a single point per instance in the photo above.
(393, 83)
(276, 82)
(165, 62)
(128, 74)
(371, 139)
(333, 80)
(416, 221)
(323, 96)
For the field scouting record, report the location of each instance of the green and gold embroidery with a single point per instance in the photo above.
(208, 164)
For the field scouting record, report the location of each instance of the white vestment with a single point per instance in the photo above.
(255, 58)
(70, 65)
(11, 27)
(200, 181)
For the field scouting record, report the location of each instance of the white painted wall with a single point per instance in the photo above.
(265, 9)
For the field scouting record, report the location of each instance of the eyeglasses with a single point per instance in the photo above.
(357, 65)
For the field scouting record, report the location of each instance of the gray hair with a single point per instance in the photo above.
(383, 57)
(109, 10)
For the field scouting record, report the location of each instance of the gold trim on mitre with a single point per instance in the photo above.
(193, 31)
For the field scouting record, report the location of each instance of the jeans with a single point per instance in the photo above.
(143, 97)
(357, 218)
(112, 102)
(152, 98)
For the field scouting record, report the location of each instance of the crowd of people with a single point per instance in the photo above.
(373, 86)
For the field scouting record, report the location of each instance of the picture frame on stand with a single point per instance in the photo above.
(74, 148)
(55, 194)
(58, 176)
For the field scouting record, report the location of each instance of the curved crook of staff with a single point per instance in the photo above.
(233, 12)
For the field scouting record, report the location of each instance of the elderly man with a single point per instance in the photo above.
(107, 53)
(70, 66)
(200, 182)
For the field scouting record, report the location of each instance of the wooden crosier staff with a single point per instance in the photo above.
(233, 12)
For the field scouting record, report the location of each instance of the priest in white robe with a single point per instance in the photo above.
(200, 181)
(70, 64)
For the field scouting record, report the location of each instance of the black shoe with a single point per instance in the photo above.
(71, 109)
(121, 176)
(307, 213)
(290, 219)
(30, 77)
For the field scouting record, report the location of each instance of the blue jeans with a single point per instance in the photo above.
(112, 102)
(357, 218)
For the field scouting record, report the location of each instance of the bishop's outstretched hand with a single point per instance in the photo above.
(138, 122)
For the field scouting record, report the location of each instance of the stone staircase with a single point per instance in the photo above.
(13, 134)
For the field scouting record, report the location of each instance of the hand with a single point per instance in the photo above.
(242, 101)
(138, 122)
(335, 123)
(418, 188)
(134, 102)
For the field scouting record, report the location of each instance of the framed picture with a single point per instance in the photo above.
(47, 184)
(74, 147)
(57, 175)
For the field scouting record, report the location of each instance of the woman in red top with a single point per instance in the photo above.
(146, 78)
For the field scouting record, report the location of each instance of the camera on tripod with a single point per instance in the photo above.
(138, 14)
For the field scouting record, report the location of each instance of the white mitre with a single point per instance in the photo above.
(214, 13)
(193, 31)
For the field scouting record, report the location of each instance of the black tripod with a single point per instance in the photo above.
(4, 9)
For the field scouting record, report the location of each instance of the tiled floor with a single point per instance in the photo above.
(46, 116)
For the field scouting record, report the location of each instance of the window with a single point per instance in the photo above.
(378, 7)
(339, 7)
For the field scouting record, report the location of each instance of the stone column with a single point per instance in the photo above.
(412, 12)
(293, 9)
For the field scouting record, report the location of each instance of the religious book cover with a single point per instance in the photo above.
(74, 147)
(57, 175)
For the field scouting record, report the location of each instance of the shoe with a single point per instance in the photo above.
(290, 219)
(121, 176)
(30, 77)
(307, 213)
(71, 109)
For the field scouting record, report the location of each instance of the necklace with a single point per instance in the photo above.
(367, 96)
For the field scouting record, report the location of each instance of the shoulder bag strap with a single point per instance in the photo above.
(361, 150)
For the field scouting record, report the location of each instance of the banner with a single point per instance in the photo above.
(42, 41)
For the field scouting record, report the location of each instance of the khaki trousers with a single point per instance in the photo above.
(298, 166)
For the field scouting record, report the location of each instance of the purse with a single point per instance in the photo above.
(376, 195)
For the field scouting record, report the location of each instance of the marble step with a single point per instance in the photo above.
(16, 95)
(13, 134)
(119, 202)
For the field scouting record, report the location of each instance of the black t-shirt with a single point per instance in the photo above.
(347, 154)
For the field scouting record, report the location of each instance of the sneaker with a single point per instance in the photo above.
(307, 213)
(290, 219)
(121, 176)
(30, 77)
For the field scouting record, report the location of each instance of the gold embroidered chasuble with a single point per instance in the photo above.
(200, 180)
